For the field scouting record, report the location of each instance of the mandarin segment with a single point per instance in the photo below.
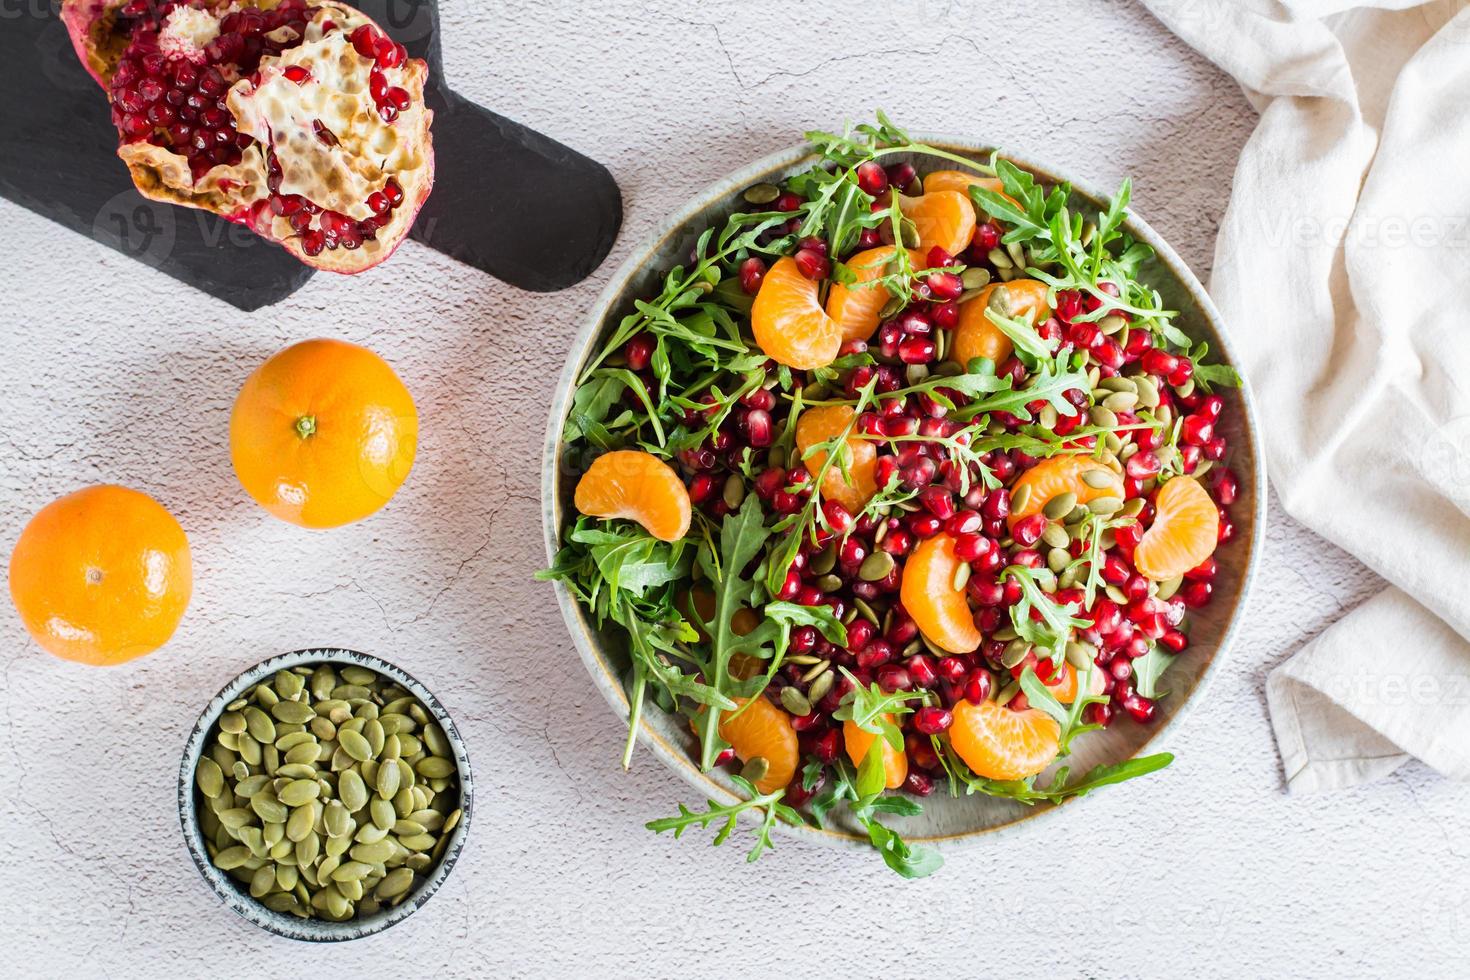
(928, 594)
(943, 219)
(855, 309)
(789, 323)
(638, 486)
(976, 335)
(1184, 533)
(958, 180)
(998, 743)
(1053, 477)
(763, 731)
(858, 742)
(818, 425)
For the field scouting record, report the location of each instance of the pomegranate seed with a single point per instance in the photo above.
(839, 519)
(1196, 594)
(897, 542)
(892, 677)
(297, 73)
(1141, 709)
(787, 202)
(1028, 531)
(997, 504)
(944, 285)
(901, 175)
(916, 350)
(399, 98)
(790, 587)
(977, 686)
(986, 237)
(918, 784)
(1159, 362)
(1174, 640)
(1196, 429)
(312, 242)
(937, 501)
(875, 654)
(758, 428)
(872, 178)
(364, 40)
(931, 720)
(394, 192)
(752, 274)
(813, 264)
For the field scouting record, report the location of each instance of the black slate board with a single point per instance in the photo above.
(506, 199)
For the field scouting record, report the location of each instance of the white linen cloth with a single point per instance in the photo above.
(1343, 271)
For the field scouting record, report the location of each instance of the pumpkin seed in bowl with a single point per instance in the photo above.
(325, 790)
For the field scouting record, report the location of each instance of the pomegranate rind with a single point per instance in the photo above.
(239, 192)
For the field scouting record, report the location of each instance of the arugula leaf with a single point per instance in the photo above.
(741, 536)
(870, 707)
(1207, 376)
(908, 860)
(767, 806)
(1057, 620)
(1037, 693)
(1147, 670)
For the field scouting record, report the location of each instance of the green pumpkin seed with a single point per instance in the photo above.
(300, 823)
(1080, 655)
(453, 819)
(209, 778)
(1097, 479)
(1060, 506)
(975, 278)
(355, 745)
(387, 782)
(1021, 498)
(434, 767)
(821, 685)
(791, 699)
(961, 576)
(1058, 559)
(263, 882)
(300, 792)
(1121, 401)
(352, 791)
(377, 853)
(423, 842)
(235, 818)
(351, 871)
(875, 567)
(290, 740)
(759, 194)
(435, 741)
(396, 882)
(259, 724)
(295, 770)
(1103, 416)
(382, 812)
(249, 750)
(370, 833)
(1000, 260)
(337, 821)
(268, 808)
(418, 862)
(1008, 693)
(293, 712)
(1104, 506)
(304, 754)
(1014, 652)
(1056, 536)
(232, 722)
(323, 729)
(231, 858)
(1148, 392)
(1169, 587)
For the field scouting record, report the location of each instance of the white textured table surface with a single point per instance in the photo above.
(112, 373)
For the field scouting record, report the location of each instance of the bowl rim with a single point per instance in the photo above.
(763, 169)
(250, 909)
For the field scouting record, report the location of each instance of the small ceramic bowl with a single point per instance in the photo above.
(237, 898)
(944, 819)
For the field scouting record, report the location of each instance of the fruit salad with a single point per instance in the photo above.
(901, 485)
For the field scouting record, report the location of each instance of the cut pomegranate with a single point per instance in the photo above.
(301, 120)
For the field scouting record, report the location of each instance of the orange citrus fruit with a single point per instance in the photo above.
(816, 425)
(1065, 689)
(764, 730)
(858, 741)
(1062, 474)
(977, 336)
(101, 576)
(323, 433)
(928, 594)
(999, 743)
(636, 485)
(958, 180)
(1184, 533)
(854, 308)
(789, 324)
(942, 218)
